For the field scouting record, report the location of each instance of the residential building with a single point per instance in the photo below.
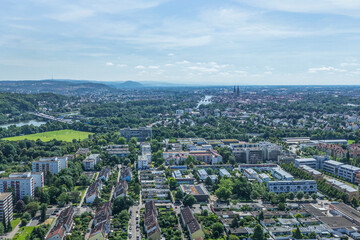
(307, 186)
(82, 151)
(143, 162)
(254, 155)
(189, 221)
(281, 174)
(151, 224)
(198, 191)
(250, 173)
(310, 162)
(202, 174)
(145, 148)
(209, 156)
(22, 185)
(263, 177)
(104, 173)
(38, 177)
(90, 161)
(141, 134)
(101, 223)
(120, 189)
(332, 166)
(286, 159)
(93, 191)
(118, 150)
(348, 172)
(175, 157)
(316, 174)
(223, 172)
(45, 165)
(6, 207)
(126, 174)
(176, 174)
(62, 225)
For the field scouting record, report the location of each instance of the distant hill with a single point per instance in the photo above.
(64, 87)
(126, 84)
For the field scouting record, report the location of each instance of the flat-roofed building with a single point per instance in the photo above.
(281, 174)
(38, 177)
(348, 172)
(202, 174)
(141, 134)
(198, 191)
(22, 185)
(223, 172)
(45, 165)
(310, 162)
(320, 159)
(346, 211)
(250, 173)
(208, 156)
(315, 173)
(6, 207)
(307, 186)
(343, 187)
(332, 166)
(263, 177)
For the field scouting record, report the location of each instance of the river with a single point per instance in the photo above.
(32, 122)
(205, 101)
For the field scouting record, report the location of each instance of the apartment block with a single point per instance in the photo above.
(223, 172)
(22, 185)
(189, 221)
(209, 156)
(281, 174)
(141, 134)
(45, 165)
(38, 177)
(6, 207)
(307, 186)
(118, 150)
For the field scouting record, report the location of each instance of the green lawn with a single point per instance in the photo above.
(15, 222)
(82, 189)
(63, 135)
(25, 231)
(351, 141)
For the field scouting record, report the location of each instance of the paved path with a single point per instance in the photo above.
(11, 234)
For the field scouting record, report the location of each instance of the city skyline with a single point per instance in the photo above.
(239, 42)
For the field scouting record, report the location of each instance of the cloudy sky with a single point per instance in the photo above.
(182, 41)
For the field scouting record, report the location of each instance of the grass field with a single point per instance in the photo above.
(82, 189)
(15, 222)
(63, 135)
(25, 231)
(351, 141)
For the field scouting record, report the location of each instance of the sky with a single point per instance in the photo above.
(227, 42)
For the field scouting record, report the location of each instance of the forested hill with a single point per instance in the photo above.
(14, 105)
(63, 87)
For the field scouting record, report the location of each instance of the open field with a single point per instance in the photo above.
(15, 222)
(61, 135)
(25, 231)
(351, 141)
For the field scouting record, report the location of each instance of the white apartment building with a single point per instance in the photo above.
(6, 207)
(223, 172)
(145, 148)
(281, 174)
(45, 165)
(348, 172)
(38, 177)
(310, 162)
(250, 173)
(202, 174)
(143, 162)
(332, 166)
(22, 186)
(307, 186)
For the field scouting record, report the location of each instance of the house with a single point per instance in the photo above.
(62, 225)
(82, 151)
(101, 222)
(120, 189)
(192, 225)
(126, 174)
(151, 224)
(93, 191)
(104, 173)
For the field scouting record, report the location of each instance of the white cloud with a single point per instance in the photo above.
(169, 65)
(122, 65)
(171, 54)
(109, 64)
(139, 67)
(328, 69)
(183, 62)
(203, 69)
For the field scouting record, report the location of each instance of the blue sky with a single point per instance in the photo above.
(193, 42)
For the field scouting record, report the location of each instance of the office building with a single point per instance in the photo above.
(320, 159)
(348, 172)
(332, 166)
(310, 162)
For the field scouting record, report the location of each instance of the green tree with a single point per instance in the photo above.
(43, 209)
(84, 180)
(173, 183)
(291, 195)
(179, 195)
(223, 193)
(297, 233)
(258, 233)
(281, 206)
(2, 229)
(299, 195)
(208, 181)
(314, 196)
(20, 206)
(32, 208)
(354, 202)
(189, 200)
(217, 229)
